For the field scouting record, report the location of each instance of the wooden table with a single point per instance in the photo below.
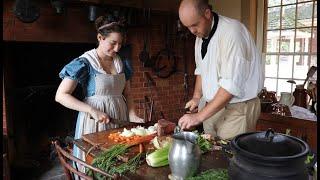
(214, 159)
(301, 128)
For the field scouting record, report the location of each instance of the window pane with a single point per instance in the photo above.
(314, 40)
(315, 14)
(288, 16)
(313, 61)
(270, 84)
(304, 14)
(285, 66)
(287, 37)
(288, 2)
(273, 41)
(283, 86)
(291, 42)
(273, 18)
(271, 66)
(303, 37)
(300, 67)
(273, 3)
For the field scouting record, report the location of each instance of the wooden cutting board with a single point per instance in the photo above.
(102, 140)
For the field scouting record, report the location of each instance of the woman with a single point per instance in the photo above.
(100, 72)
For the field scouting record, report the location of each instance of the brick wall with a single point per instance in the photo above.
(74, 27)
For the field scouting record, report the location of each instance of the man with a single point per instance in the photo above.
(228, 72)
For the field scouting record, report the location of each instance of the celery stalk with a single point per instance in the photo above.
(159, 157)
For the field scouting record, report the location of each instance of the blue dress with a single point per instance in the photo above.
(102, 91)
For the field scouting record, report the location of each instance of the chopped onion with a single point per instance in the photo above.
(127, 133)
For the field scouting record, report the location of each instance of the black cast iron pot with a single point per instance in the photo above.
(268, 156)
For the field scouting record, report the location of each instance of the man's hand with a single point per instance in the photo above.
(192, 104)
(189, 120)
(100, 116)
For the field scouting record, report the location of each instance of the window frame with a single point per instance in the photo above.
(280, 29)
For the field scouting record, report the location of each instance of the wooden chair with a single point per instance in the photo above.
(5, 160)
(67, 160)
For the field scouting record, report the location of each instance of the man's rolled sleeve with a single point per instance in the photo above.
(231, 87)
(197, 71)
(234, 75)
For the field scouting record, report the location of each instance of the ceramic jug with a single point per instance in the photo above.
(286, 98)
(184, 155)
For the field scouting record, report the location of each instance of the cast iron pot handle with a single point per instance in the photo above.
(269, 136)
(226, 151)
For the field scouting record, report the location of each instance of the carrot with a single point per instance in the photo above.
(141, 148)
(141, 139)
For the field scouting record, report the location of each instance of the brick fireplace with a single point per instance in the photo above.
(36, 52)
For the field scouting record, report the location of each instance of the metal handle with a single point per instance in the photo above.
(269, 134)
(177, 129)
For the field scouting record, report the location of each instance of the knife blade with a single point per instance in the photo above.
(121, 123)
(115, 121)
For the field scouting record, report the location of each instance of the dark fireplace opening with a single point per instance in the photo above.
(31, 80)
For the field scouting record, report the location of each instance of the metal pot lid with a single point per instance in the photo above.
(268, 144)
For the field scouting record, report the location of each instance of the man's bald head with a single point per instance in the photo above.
(196, 16)
(197, 5)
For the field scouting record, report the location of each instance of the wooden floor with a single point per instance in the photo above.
(35, 170)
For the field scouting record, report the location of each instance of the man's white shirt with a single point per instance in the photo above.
(232, 62)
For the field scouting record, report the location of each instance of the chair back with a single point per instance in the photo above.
(67, 160)
(6, 170)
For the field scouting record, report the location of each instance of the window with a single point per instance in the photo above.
(290, 42)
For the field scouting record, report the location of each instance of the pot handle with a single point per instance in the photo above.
(177, 129)
(269, 135)
(226, 151)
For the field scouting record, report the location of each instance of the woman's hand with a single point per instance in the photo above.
(99, 116)
(134, 118)
(192, 104)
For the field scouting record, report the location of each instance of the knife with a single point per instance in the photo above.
(115, 121)
(187, 110)
(121, 123)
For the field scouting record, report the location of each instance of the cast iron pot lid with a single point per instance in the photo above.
(268, 144)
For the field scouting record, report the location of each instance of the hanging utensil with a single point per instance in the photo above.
(162, 115)
(150, 61)
(151, 111)
(166, 61)
(144, 54)
(310, 73)
(26, 11)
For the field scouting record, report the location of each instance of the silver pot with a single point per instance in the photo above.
(184, 155)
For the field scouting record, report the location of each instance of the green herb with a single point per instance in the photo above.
(211, 174)
(107, 161)
(131, 166)
(203, 143)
